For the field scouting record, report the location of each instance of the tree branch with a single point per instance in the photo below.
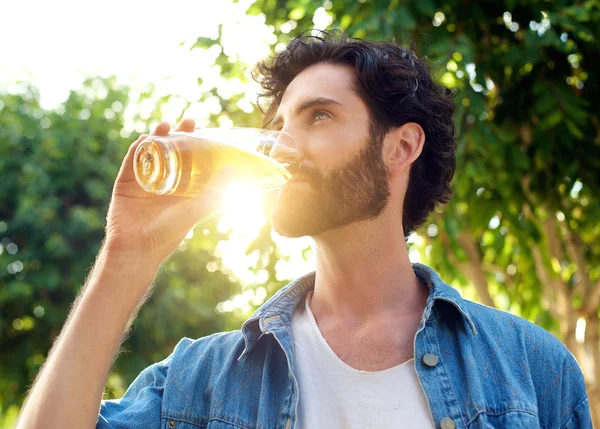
(592, 340)
(576, 254)
(592, 302)
(554, 290)
(549, 290)
(475, 268)
(500, 270)
(550, 229)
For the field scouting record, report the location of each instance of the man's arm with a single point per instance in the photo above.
(142, 230)
(69, 387)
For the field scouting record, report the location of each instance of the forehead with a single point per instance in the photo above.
(333, 81)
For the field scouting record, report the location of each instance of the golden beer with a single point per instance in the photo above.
(182, 163)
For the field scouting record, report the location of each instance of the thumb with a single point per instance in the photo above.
(126, 171)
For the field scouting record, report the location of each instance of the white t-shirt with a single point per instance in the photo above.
(335, 395)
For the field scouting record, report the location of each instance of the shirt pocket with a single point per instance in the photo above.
(508, 419)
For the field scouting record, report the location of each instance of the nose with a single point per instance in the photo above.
(285, 150)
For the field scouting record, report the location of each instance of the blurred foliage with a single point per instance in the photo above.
(58, 168)
(520, 234)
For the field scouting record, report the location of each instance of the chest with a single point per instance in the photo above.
(334, 397)
(205, 389)
(370, 351)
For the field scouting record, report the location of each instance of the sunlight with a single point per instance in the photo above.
(136, 58)
(300, 253)
(164, 59)
(243, 217)
(244, 207)
(580, 330)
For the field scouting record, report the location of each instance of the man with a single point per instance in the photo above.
(369, 340)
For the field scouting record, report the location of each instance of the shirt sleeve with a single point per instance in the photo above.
(141, 405)
(575, 401)
(580, 417)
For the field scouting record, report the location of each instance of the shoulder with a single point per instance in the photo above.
(220, 346)
(201, 365)
(505, 329)
(535, 353)
(172, 383)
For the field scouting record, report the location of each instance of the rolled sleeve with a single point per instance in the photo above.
(141, 405)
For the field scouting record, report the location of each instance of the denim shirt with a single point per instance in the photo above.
(479, 368)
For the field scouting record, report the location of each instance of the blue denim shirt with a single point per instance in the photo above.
(479, 368)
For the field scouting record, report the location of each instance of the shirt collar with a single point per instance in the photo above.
(276, 313)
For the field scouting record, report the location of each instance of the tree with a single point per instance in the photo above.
(58, 168)
(55, 172)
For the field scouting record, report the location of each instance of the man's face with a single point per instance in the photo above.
(342, 178)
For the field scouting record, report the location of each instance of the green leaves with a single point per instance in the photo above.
(426, 7)
(404, 19)
(54, 194)
(297, 13)
(203, 43)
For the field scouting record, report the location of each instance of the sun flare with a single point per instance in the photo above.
(243, 209)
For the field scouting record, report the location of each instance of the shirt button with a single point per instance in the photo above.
(447, 423)
(172, 423)
(430, 360)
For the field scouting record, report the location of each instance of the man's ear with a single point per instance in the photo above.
(402, 146)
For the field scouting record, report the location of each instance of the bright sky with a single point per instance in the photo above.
(139, 41)
(56, 44)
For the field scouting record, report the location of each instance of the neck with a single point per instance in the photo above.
(364, 276)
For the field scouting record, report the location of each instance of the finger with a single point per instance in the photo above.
(162, 129)
(187, 125)
(126, 172)
(177, 220)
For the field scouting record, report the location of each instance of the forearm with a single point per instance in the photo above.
(69, 387)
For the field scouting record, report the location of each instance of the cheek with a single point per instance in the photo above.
(329, 146)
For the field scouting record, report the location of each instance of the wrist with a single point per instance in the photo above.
(134, 261)
(128, 272)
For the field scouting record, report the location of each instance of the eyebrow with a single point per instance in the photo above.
(319, 101)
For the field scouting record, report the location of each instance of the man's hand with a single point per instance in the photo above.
(142, 230)
(149, 227)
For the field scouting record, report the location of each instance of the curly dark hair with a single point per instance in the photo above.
(397, 88)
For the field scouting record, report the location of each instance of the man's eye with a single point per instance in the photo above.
(319, 115)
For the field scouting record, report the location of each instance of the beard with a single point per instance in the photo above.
(355, 192)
